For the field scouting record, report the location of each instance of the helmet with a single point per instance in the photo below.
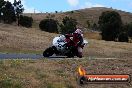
(79, 31)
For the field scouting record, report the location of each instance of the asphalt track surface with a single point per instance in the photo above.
(26, 56)
(39, 56)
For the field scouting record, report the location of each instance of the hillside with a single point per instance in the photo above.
(20, 39)
(82, 15)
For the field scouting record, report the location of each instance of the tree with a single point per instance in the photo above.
(56, 11)
(69, 25)
(2, 3)
(8, 13)
(110, 24)
(25, 21)
(49, 25)
(18, 7)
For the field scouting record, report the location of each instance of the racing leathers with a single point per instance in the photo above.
(76, 40)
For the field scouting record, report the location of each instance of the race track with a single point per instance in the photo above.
(26, 56)
(40, 56)
(20, 56)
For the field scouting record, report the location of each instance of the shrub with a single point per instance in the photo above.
(110, 24)
(123, 37)
(25, 21)
(130, 29)
(49, 25)
(94, 27)
(88, 24)
(69, 25)
(56, 11)
(72, 11)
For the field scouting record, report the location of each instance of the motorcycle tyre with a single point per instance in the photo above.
(48, 52)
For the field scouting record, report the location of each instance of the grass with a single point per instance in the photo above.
(15, 39)
(8, 80)
(31, 73)
(93, 35)
(46, 73)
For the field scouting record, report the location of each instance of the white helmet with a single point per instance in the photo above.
(79, 31)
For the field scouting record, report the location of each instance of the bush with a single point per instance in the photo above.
(69, 25)
(130, 29)
(25, 21)
(72, 11)
(49, 25)
(88, 24)
(56, 11)
(110, 24)
(123, 37)
(94, 27)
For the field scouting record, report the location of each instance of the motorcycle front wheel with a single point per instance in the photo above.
(48, 52)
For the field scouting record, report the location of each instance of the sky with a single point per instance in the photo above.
(68, 5)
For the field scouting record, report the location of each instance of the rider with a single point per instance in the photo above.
(78, 40)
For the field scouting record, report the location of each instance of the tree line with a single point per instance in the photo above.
(67, 25)
(110, 24)
(112, 27)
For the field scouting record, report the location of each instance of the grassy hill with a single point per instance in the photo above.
(32, 40)
(82, 15)
(20, 39)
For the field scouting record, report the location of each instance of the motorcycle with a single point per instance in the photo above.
(60, 47)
